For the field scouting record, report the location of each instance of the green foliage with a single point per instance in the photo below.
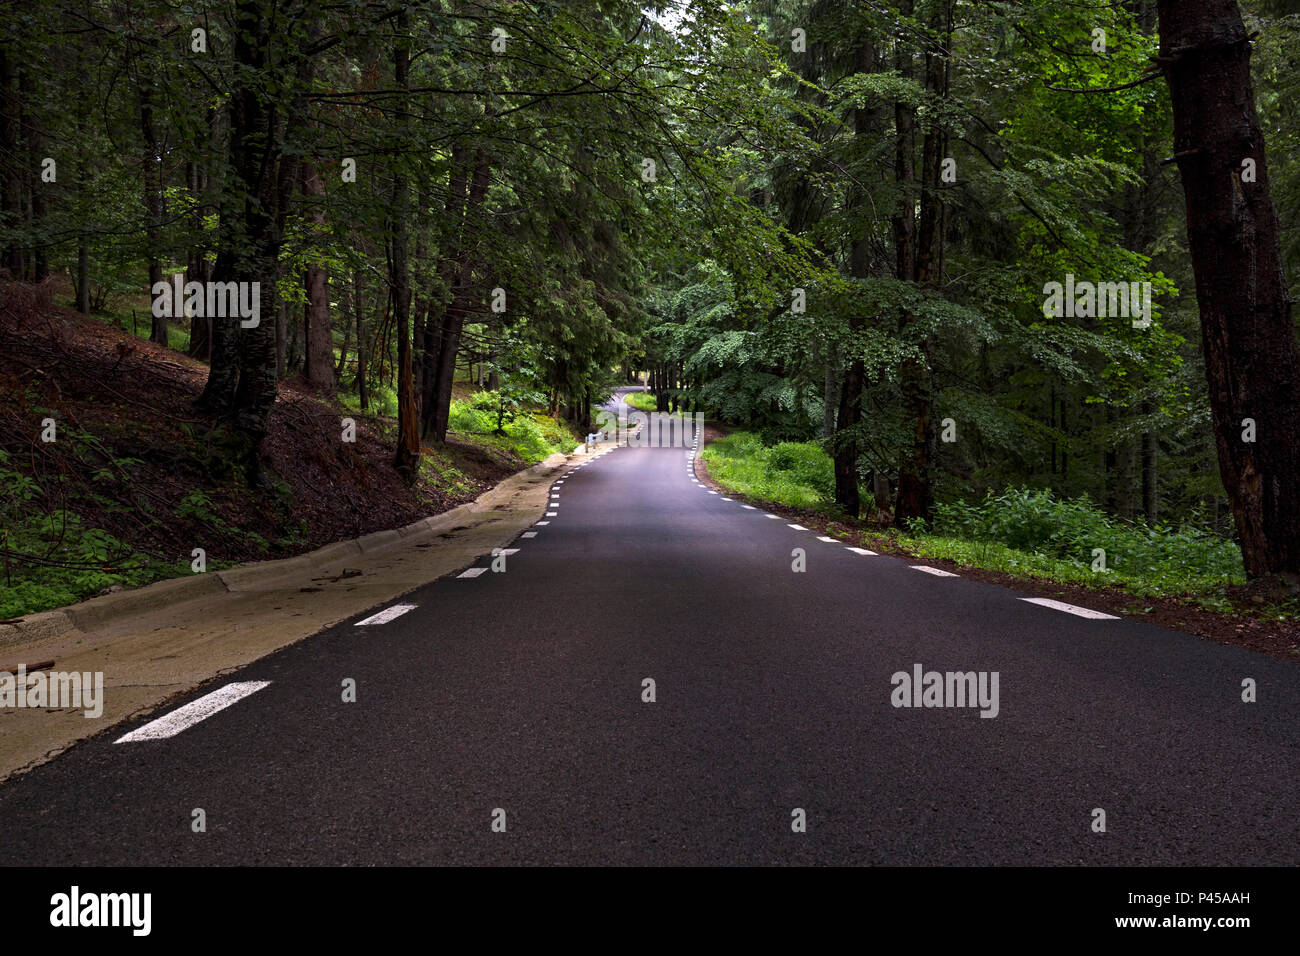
(800, 475)
(1038, 522)
(644, 401)
(532, 437)
(50, 559)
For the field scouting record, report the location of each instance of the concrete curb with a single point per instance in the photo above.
(257, 575)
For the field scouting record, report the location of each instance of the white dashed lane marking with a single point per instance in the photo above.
(823, 537)
(1072, 609)
(935, 571)
(797, 527)
(861, 551)
(386, 615)
(530, 534)
(471, 572)
(193, 712)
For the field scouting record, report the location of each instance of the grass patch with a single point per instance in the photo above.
(797, 474)
(530, 435)
(643, 401)
(1022, 532)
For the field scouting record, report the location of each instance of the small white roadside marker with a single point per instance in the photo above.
(861, 551)
(823, 537)
(471, 572)
(529, 534)
(387, 614)
(935, 571)
(797, 527)
(193, 712)
(1072, 609)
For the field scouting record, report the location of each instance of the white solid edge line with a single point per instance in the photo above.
(196, 710)
(1072, 609)
(387, 614)
(935, 571)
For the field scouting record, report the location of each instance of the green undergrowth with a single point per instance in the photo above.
(644, 401)
(797, 474)
(529, 434)
(1021, 531)
(50, 558)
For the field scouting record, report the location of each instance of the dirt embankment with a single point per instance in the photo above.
(134, 458)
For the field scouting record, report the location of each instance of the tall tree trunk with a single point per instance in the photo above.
(454, 319)
(1251, 357)
(35, 153)
(242, 376)
(11, 183)
(151, 180)
(407, 457)
(845, 450)
(316, 311)
(83, 237)
(923, 256)
(449, 267)
(363, 393)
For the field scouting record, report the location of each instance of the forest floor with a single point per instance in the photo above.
(1252, 622)
(135, 478)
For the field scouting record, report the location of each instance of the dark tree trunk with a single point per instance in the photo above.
(448, 269)
(363, 393)
(242, 377)
(1251, 358)
(151, 179)
(923, 256)
(11, 183)
(407, 457)
(316, 311)
(454, 317)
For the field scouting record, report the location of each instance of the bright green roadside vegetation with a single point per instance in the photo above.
(798, 474)
(641, 400)
(488, 419)
(1022, 531)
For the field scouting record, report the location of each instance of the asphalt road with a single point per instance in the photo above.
(523, 691)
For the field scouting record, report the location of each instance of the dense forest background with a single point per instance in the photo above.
(827, 223)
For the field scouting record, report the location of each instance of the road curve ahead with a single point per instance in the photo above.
(662, 675)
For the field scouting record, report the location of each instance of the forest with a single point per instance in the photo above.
(1007, 272)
